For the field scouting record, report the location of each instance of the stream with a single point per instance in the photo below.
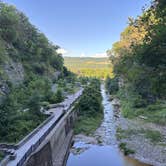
(107, 152)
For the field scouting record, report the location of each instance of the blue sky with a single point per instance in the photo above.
(81, 27)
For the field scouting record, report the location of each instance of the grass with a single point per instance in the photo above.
(155, 113)
(154, 135)
(122, 134)
(87, 125)
(133, 106)
(89, 67)
(126, 150)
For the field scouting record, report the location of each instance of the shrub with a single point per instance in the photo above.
(112, 85)
(126, 150)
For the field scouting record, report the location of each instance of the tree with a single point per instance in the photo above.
(139, 56)
(34, 104)
(59, 96)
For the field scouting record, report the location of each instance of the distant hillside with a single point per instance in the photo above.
(25, 53)
(90, 67)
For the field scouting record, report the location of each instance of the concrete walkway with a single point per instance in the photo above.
(57, 112)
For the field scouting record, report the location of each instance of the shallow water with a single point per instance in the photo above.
(108, 153)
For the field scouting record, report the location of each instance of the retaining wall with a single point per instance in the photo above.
(53, 150)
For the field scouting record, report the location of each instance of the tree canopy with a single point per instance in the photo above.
(140, 55)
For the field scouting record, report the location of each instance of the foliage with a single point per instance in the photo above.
(20, 113)
(59, 96)
(26, 43)
(90, 102)
(87, 125)
(89, 67)
(154, 135)
(111, 85)
(23, 43)
(126, 150)
(142, 62)
(84, 80)
(89, 108)
(139, 59)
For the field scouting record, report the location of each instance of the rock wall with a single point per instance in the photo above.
(13, 72)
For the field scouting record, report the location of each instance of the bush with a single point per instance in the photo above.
(90, 102)
(89, 108)
(126, 150)
(154, 135)
(112, 85)
(59, 96)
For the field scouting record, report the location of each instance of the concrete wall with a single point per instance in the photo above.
(42, 157)
(53, 150)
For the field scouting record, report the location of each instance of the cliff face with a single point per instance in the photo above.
(12, 72)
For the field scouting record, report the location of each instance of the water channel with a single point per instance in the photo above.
(106, 154)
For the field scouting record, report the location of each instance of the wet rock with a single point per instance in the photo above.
(85, 139)
(78, 151)
(111, 97)
(143, 117)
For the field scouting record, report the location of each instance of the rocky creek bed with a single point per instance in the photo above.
(101, 147)
(148, 140)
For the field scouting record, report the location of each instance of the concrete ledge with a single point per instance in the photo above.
(31, 134)
(55, 105)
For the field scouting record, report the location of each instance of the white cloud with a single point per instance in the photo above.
(62, 51)
(100, 55)
(97, 55)
(82, 55)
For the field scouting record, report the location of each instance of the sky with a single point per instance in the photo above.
(81, 27)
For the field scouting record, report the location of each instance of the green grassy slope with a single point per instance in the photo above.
(90, 67)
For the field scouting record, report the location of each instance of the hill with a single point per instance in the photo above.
(29, 65)
(89, 67)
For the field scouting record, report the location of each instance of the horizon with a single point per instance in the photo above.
(85, 57)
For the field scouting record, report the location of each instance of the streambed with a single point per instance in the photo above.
(101, 149)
